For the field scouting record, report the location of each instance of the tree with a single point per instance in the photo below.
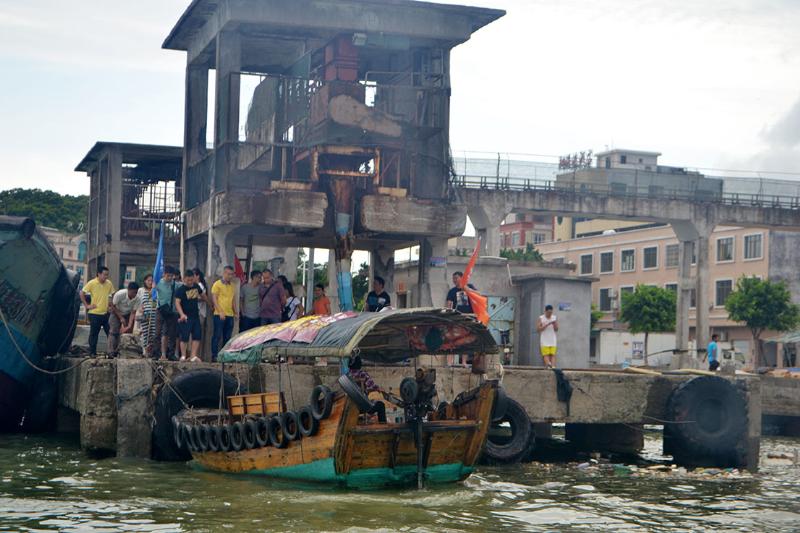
(648, 310)
(762, 305)
(47, 208)
(361, 287)
(595, 317)
(530, 254)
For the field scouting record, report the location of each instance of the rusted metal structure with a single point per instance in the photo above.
(134, 187)
(330, 126)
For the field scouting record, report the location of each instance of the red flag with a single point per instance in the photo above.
(238, 271)
(479, 303)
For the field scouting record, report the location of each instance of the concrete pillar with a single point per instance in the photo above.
(685, 285)
(226, 118)
(220, 252)
(487, 219)
(114, 216)
(134, 408)
(432, 282)
(332, 290)
(196, 116)
(381, 263)
(702, 333)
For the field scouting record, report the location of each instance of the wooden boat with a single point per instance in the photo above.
(341, 436)
(38, 315)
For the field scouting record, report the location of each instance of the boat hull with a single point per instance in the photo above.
(348, 453)
(38, 302)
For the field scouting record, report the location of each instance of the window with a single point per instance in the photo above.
(622, 291)
(623, 159)
(558, 260)
(586, 264)
(69, 254)
(724, 249)
(671, 287)
(606, 262)
(605, 300)
(627, 262)
(692, 298)
(515, 239)
(672, 255)
(724, 288)
(607, 162)
(650, 256)
(752, 246)
(539, 238)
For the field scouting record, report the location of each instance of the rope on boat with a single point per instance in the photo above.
(28, 361)
(168, 382)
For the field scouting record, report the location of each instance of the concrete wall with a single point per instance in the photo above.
(617, 347)
(784, 256)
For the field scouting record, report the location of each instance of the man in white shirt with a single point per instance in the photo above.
(547, 326)
(124, 305)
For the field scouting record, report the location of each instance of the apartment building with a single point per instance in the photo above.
(620, 260)
(70, 248)
(520, 229)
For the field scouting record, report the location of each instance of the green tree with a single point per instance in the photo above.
(762, 305)
(47, 208)
(361, 287)
(648, 310)
(595, 316)
(529, 255)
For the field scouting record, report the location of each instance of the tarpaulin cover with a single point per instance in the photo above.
(388, 336)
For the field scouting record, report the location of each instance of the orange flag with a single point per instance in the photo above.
(479, 303)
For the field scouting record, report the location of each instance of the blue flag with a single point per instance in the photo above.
(158, 269)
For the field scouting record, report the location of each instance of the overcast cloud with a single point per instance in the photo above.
(708, 83)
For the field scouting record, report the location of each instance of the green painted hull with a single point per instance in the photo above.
(323, 471)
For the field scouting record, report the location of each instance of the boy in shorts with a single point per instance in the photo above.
(187, 300)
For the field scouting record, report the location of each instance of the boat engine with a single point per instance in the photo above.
(417, 394)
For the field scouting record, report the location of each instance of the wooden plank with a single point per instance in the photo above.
(483, 414)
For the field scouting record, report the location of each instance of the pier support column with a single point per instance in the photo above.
(432, 280)
(702, 335)
(134, 408)
(487, 220)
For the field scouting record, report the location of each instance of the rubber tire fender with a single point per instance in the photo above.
(199, 388)
(188, 438)
(249, 434)
(237, 436)
(500, 404)
(213, 438)
(355, 393)
(307, 423)
(276, 435)
(321, 412)
(290, 426)
(200, 438)
(516, 448)
(225, 438)
(262, 432)
(177, 432)
(710, 415)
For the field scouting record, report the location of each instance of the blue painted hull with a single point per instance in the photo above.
(38, 302)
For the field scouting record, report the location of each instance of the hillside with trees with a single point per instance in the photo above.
(47, 208)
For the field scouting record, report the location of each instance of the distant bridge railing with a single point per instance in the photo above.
(628, 191)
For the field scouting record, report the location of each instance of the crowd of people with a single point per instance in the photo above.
(171, 314)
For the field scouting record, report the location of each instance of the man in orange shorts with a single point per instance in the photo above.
(547, 326)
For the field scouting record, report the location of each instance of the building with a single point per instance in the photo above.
(521, 229)
(619, 260)
(134, 189)
(70, 248)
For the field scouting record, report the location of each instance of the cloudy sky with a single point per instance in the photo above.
(710, 84)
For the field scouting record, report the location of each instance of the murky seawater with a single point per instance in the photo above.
(47, 484)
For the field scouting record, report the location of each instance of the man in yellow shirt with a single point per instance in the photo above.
(100, 290)
(223, 298)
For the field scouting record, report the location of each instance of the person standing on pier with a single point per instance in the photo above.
(223, 300)
(187, 303)
(547, 326)
(273, 298)
(378, 298)
(166, 317)
(251, 302)
(713, 353)
(322, 305)
(100, 290)
(124, 305)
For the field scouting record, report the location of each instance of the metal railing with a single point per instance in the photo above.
(608, 190)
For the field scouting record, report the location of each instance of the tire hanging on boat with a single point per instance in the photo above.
(291, 428)
(355, 393)
(199, 389)
(249, 434)
(225, 438)
(275, 432)
(188, 437)
(321, 402)
(262, 432)
(505, 448)
(200, 437)
(237, 436)
(177, 432)
(307, 422)
(213, 438)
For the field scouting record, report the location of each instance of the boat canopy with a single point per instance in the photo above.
(387, 337)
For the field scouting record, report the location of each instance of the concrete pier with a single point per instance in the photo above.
(115, 399)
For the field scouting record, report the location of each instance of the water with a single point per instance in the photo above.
(47, 484)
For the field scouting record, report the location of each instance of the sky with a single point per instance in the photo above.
(710, 84)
